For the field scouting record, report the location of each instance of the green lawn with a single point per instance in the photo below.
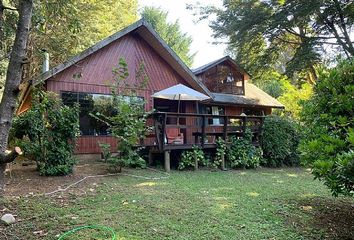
(251, 204)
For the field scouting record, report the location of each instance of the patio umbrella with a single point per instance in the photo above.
(180, 92)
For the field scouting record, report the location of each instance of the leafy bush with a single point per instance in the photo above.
(329, 146)
(188, 158)
(105, 151)
(221, 149)
(242, 153)
(280, 139)
(47, 132)
(292, 97)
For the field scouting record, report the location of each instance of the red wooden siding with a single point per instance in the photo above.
(96, 73)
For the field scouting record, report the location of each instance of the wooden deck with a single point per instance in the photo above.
(200, 129)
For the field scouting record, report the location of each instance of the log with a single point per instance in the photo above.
(10, 157)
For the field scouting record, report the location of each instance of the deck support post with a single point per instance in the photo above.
(167, 161)
(195, 162)
(151, 160)
(223, 162)
(203, 131)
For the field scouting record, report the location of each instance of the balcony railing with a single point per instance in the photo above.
(184, 130)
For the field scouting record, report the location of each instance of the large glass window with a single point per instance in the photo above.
(90, 104)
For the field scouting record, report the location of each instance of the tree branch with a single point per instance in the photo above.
(2, 7)
(336, 34)
(8, 8)
(343, 27)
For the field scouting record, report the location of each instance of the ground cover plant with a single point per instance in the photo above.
(242, 153)
(284, 203)
(190, 158)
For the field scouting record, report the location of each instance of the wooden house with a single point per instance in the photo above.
(233, 102)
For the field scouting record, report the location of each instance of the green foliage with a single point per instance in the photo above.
(221, 149)
(105, 151)
(101, 18)
(242, 153)
(280, 140)
(47, 132)
(170, 32)
(285, 91)
(270, 82)
(64, 28)
(128, 125)
(329, 113)
(288, 32)
(292, 97)
(189, 158)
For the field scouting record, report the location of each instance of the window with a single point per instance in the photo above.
(223, 78)
(215, 110)
(91, 103)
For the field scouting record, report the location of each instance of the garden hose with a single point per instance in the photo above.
(107, 229)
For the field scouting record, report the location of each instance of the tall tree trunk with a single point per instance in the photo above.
(12, 82)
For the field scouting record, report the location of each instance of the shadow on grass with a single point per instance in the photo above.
(323, 218)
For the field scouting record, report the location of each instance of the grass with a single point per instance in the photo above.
(250, 204)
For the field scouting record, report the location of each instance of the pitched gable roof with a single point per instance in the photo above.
(144, 30)
(207, 66)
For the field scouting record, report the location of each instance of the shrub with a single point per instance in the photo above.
(188, 158)
(105, 151)
(280, 139)
(329, 146)
(220, 152)
(47, 132)
(242, 153)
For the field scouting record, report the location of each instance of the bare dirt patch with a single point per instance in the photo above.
(25, 180)
(330, 218)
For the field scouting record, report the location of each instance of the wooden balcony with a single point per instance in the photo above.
(178, 131)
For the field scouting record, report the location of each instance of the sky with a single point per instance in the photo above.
(200, 32)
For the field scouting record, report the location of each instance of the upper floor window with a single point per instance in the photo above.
(224, 79)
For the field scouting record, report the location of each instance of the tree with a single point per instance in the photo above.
(65, 28)
(12, 82)
(101, 18)
(170, 32)
(329, 114)
(292, 97)
(295, 31)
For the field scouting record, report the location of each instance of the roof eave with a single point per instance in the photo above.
(243, 105)
(216, 62)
